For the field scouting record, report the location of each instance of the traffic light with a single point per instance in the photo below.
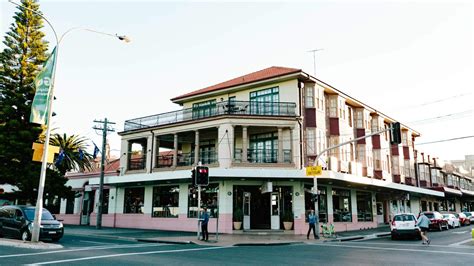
(202, 175)
(395, 134)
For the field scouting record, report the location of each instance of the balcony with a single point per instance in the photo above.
(240, 108)
(186, 159)
(262, 156)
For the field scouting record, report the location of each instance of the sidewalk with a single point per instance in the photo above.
(238, 239)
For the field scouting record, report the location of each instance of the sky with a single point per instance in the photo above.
(411, 60)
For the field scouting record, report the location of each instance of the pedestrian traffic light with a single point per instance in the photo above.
(395, 134)
(202, 175)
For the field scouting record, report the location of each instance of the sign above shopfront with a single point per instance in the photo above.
(314, 170)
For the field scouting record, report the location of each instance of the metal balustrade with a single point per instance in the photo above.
(246, 108)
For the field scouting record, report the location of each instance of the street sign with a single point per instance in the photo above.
(314, 170)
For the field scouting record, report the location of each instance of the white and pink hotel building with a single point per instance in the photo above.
(257, 133)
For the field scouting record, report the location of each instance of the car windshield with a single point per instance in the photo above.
(403, 218)
(429, 215)
(30, 214)
(445, 215)
(468, 214)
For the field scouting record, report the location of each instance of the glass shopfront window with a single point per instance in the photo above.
(133, 200)
(165, 201)
(364, 206)
(341, 200)
(309, 205)
(209, 199)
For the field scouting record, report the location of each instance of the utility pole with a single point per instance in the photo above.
(314, 58)
(104, 129)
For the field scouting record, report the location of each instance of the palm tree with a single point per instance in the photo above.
(75, 156)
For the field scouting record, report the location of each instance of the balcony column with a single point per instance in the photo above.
(280, 145)
(225, 145)
(244, 145)
(196, 147)
(149, 153)
(292, 145)
(175, 150)
(156, 152)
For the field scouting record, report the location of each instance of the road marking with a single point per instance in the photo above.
(460, 233)
(414, 245)
(83, 249)
(130, 254)
(462, 242)
(96, 242)
(397, 249)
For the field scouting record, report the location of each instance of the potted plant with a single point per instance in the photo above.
(237, 217)
(288, 220)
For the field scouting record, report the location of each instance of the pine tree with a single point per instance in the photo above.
(20, 61)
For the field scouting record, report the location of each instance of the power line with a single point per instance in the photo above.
(450, 116)
(445, 140)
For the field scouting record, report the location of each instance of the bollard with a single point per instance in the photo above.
(472, 233)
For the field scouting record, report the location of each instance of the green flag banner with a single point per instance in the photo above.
(43, 82)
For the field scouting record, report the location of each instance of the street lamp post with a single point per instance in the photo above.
(39, 201)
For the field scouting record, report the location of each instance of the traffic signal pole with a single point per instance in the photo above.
(315, 179)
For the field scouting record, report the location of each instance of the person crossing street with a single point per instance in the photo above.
(424, 224)
(312, 219)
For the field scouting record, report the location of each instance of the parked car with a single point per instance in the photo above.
(463, 219)
(437, 221)
(452, 220)
(404, 224)
(470, 215)
(17, 221)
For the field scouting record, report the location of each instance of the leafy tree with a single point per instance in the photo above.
(75, 156)
(20, 61)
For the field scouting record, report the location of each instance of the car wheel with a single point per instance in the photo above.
(440, 228)
(25, 235)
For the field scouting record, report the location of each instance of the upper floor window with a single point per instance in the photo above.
(349, 116)
(332, 107)
(309, 97)
(263, 101)
(359, 119)
(204, 109)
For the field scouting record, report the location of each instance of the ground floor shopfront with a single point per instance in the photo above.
(261, 204)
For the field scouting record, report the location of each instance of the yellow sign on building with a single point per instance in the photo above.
(38, 152)
(314, 170)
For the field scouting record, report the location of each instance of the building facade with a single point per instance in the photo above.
(257, 133)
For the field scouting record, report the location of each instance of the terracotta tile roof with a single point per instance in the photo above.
(267, 73)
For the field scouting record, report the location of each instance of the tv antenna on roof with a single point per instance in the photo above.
(314, 58)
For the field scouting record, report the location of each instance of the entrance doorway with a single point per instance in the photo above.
(262, 211)
(87, 207)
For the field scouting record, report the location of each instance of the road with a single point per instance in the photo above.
(453, 247)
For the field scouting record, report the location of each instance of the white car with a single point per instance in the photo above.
(404, 224)
(453, 221)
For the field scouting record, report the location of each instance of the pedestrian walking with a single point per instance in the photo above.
(424, 224)
(204, 222)
(312, 219)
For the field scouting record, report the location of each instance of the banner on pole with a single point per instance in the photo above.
(43, 82)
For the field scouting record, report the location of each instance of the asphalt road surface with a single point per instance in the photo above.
(453, 247)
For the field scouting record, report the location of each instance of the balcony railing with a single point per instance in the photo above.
(137, 162)
(186, 159)
(222, 108)
(262, 156)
